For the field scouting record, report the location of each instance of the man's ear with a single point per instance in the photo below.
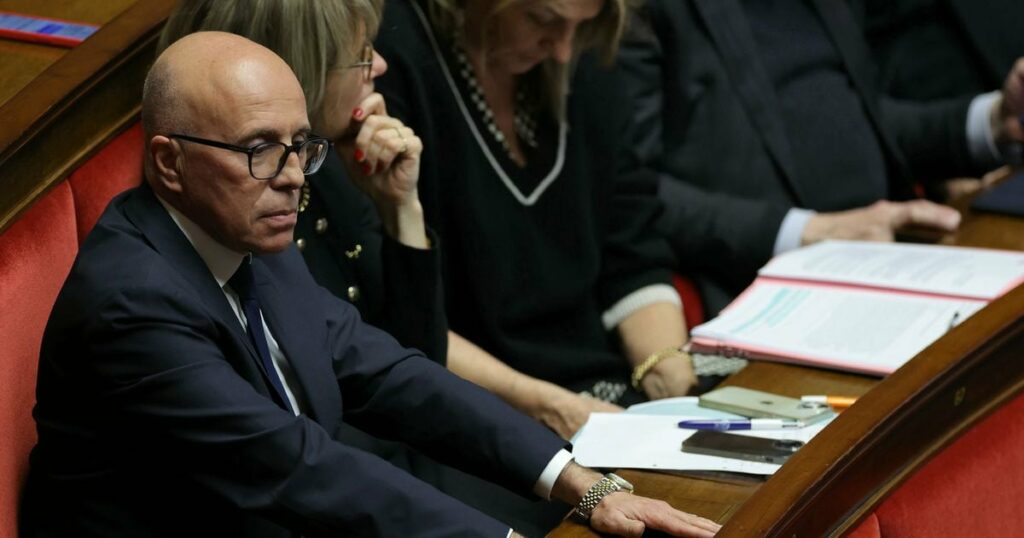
(166, 155)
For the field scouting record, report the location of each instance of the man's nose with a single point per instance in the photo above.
(291, 176)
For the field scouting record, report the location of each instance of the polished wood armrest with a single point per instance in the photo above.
(79, 102)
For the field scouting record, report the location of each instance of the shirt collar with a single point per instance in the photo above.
(220, 260)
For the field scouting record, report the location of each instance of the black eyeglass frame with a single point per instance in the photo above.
(309, 168)
(365, 61)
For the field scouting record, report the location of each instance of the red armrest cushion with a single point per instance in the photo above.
(972, 488)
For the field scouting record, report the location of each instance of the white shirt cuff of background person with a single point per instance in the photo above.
(981, 140)
(643, 297)
(791, 231)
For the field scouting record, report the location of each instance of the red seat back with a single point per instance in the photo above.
(36, 253)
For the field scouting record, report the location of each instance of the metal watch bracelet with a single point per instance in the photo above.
(609, 483)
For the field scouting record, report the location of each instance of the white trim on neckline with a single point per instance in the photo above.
(563, 128)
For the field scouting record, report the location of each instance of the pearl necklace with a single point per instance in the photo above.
(525, 124)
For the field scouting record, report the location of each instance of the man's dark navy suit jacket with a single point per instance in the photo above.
(155, 418)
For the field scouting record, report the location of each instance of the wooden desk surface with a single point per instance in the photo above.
(719, 499)
(21, 62)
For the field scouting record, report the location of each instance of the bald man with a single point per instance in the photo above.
(193, 376)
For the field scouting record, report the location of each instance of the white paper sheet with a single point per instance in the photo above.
(958, 271)
(635, 441)
(851, 329)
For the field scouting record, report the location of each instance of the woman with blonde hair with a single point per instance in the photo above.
(557, 289)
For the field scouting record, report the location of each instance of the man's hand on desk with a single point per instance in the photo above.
(626, 514)
(880, 221)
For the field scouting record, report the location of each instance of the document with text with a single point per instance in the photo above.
(861, 307)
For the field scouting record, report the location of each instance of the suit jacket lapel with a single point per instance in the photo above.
(150, 217)
(298, 339)
(735, 43)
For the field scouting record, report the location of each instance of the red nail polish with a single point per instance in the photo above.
(357, 113)
(359, 155)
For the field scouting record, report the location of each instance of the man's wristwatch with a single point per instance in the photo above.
(610, 483)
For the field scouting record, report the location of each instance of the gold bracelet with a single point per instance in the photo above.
(653, 359)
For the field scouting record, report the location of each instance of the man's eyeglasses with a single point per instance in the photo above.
(266, 160)
(365, 61)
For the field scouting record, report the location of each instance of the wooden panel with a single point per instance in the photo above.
(22, 62)
(75, 105)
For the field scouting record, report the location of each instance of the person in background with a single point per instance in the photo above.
(557, 288)
(193, 375)
(360, 226)
(765, 123)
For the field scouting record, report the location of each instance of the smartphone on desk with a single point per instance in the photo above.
(758, 404)
(742, 447)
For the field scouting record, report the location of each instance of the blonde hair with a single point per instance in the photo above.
(603, 33)
(312, 36)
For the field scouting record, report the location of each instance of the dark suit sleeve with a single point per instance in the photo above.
(415, 311)
(932, 136)
(398, 394)
(156, 364)
(704, 228)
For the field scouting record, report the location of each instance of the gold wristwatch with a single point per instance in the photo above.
(609, 483)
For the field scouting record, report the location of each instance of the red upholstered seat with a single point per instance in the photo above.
(974, 487)
(36, 253)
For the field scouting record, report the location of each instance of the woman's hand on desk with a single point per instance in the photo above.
(624, 514)
(564, 411)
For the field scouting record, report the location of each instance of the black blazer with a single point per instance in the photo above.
(155, 418)
(709, 121)
(929, 49)
(395, 287)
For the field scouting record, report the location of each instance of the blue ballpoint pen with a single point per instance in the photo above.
(726, 424)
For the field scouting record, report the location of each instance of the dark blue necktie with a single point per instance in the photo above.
(242, 283)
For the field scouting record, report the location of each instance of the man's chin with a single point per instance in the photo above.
(274, 245)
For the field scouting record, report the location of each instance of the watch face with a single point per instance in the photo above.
(620, 481)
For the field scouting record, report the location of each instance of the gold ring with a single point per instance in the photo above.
(405, 143)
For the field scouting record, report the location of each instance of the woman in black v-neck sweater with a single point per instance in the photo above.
(555, 283)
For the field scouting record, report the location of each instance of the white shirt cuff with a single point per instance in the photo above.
(981, 142)
(645, 296)
(547, 479)
(792, 230)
